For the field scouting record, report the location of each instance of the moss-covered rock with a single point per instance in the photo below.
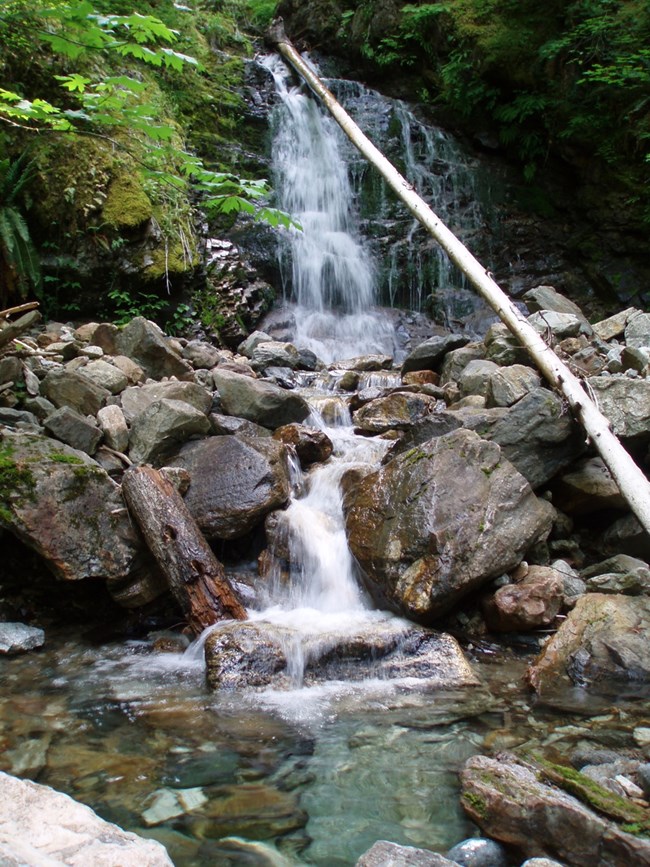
(127, 206)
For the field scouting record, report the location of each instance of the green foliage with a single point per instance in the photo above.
(19, 262)
(262, 12)
(174, 319)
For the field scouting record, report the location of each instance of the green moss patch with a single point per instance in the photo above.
(127, 206)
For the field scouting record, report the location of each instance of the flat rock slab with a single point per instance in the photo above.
(44, 828)
(512, 802)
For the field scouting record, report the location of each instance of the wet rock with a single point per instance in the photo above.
(19, 638)
(162, 427)
(478, 852)
(430, 353)
(537, 436)
(144, 342)
(260, 402)
(66, 508)
(385, 854)
(507, 385)
(248, 810)
(364, 363)
(105, 375)
(282, 376)
(113, 424)
(398, 411)
(625, 402)
(233, 851)
(74, 429)
(532, 602)
(441, 519)
(166, 804)
(257, 653)
(588, 487)
(311, 445)
(137, 399)
(236, 481)
(620, 574)
(601, 644)
(39, 825)
(69, 388)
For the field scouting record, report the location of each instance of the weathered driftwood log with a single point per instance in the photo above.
(21, 308)
(15, 329)
(196, 578)
(632, 483)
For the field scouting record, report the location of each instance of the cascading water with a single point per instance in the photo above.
(332, 276)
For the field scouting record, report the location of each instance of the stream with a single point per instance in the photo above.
(314, 771)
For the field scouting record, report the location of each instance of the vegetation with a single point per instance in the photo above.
(569, 78)
(99, 108)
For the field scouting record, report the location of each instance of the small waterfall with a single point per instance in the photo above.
(327, 270)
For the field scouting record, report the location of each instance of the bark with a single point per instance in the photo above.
(196, 578)
(632, 483)
(21, 308)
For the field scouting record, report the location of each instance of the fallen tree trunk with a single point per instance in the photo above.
(632, 483)
(14, 329)
(196, 578)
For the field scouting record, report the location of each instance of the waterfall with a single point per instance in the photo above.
(327, 270)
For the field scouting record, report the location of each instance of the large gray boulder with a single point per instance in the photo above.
(65, 507)
(430, 353)
(69, 388)
(538, 436)
(440, 520)
(235, 482)
(602, 644)
(162, 427)
(40, 826)
(513, 802)
(136, 399)
(399, 410)
(261, 402)
(74, 429)
(625, 402)
(144, 342)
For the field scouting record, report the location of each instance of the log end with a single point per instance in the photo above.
(276, 33)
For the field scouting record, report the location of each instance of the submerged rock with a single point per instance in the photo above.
(385, 854)
(440, 520)
(41, 826)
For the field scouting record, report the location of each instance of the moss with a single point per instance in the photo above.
(476, 803)
(629, 814)
(16, 484)
(127, 205)
(60, 458)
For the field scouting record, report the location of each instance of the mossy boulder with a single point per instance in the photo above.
(127, 206)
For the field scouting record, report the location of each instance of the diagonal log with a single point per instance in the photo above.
(195, 577)
(632, 483)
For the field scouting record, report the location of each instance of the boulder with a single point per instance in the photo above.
(532, 602)
(385, 854)
(64, 506)
(512, 801)
(113, 424)
(430, 353)
(502, 347)
(19, 638)
(162, 427)
(273, 353)
(547, 298)
(260, 402)
(625, 402)
(74, 429)
(230, 424)
(39, 826)
(475, 378)
(537, 436)
(135, 400)
(440, 520)
(201, 355)
(479, 852)
(602, 645)
(364, 363)
(558, 325)
(587, 487)
(311, 445)
(235, 482)
(509, 384)
(259, 653)
(458, 359)
(133, 372)
(105, 375)
(69, 388)
(637, 331)
(613, 326)
(398, 410)
(619, 574)
(145, 343)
